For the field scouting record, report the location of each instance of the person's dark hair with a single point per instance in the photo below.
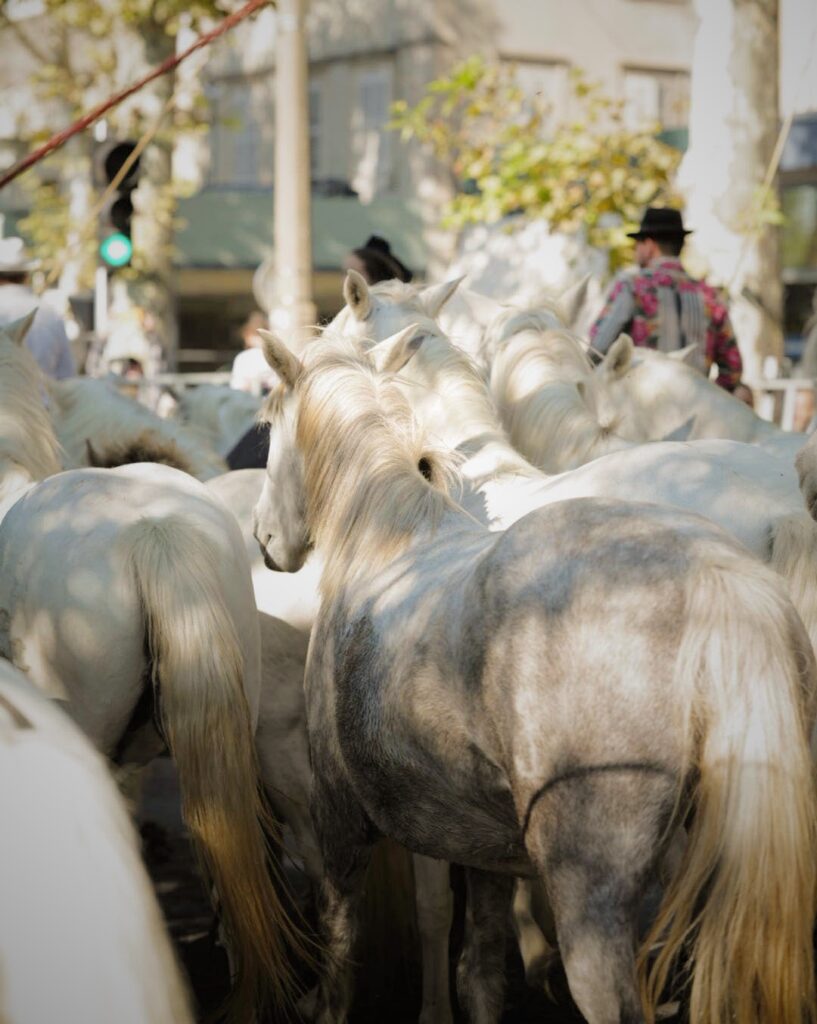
(670, 246)
(377, 262)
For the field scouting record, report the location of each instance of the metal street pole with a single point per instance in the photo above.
(292, 311)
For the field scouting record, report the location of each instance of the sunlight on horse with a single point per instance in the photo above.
(454, 704)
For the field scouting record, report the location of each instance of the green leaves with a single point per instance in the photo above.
(590, 173)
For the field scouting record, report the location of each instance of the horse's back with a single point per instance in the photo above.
(72, 612)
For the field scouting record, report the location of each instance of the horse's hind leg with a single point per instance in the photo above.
(481, 970)
(596, 838)
(344, 839)
(536, 952)
(435, 908)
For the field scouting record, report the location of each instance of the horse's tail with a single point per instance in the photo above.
(794, 557)
(197, 667)
(741, 907)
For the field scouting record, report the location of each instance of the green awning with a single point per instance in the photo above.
(234, 228)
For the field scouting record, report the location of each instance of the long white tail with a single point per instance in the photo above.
(197, 667)
(742, 905)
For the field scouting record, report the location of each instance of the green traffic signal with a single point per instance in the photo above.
(116, 250)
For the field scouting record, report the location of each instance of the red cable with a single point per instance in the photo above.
(167, 65)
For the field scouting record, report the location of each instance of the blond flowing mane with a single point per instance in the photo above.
(511, 321)
(371, 478)
(26, 434)
(93, 411)
(538, 379)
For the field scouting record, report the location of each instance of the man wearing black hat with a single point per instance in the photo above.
(376, 262)
(660, 306)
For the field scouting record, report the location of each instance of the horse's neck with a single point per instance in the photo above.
(719, 414)
(709, 411)
(491, 457)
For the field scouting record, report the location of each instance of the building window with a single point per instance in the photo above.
(652, 96)
(241, 133)
(372, 143)
(546, 83)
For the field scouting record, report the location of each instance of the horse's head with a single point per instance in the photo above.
(643, 395)
(382, 310)
(300, 408)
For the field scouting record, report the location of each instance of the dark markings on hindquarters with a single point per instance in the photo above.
(591, 769)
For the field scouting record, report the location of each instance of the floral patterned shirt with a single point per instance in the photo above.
(660, 306)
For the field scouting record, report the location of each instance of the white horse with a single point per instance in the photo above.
(538, 375)
(294, 600)
(81, 935)
(127, 594)
(542, 700)
(743, 489)
(749, 492)
(651, 395)
(96, 425)
(222, 415)
(29, 451)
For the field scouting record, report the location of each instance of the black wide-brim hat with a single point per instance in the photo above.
(660, 222)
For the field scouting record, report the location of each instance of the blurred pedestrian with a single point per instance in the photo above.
(47, 338)
(376, 262)
(251, 372)
(660, 306)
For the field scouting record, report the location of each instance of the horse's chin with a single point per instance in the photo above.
(290, 563)
(269, 561)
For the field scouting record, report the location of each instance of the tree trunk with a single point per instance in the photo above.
(733, 129)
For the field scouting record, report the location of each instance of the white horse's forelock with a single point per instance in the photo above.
(362, 449)
(92, 410)
(26, 433)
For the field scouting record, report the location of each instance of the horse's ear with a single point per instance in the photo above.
(18, 329)
(93, 458)
(391, 355)
(287, 365)
(684, 355)
(435, 296)
(619, 357)
(572, 300)
(356, 294)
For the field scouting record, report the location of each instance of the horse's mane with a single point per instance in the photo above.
(146, 446)
(537, 381)
(512, 321)
(26, 432)
(372, 478)
(92, 410)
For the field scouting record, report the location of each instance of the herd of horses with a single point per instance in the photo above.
(548, 621)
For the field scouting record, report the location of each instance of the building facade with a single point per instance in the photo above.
(365, 54)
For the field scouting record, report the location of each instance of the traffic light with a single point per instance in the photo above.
(116, 247)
